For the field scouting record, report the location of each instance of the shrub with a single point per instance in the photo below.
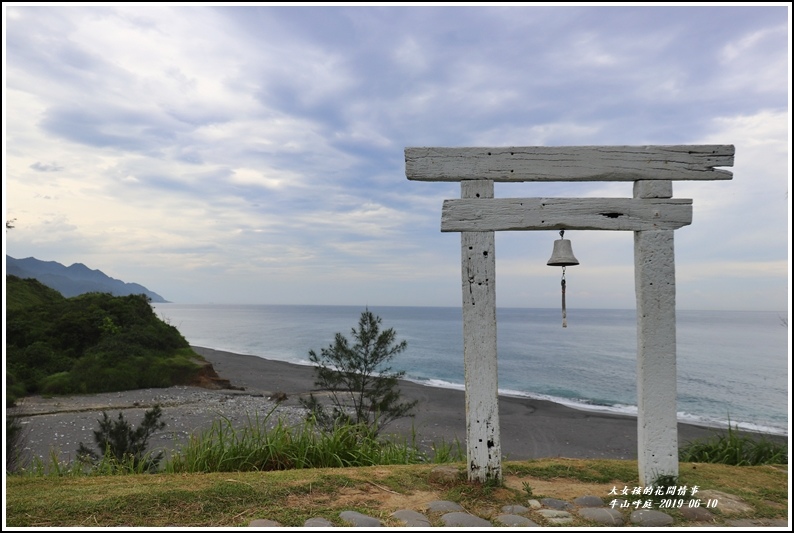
(124, 445)
(179, 369)
(59, 383)
(363, 388)
(14, 389)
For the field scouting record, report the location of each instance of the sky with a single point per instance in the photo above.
(254, 154)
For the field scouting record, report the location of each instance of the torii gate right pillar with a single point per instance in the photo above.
(654, 280)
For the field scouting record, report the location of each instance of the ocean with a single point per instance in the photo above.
(731, 365)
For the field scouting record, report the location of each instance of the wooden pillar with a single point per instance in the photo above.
(478, 273)
(654, 276)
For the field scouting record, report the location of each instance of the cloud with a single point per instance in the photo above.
(43, 167)
(251, 153)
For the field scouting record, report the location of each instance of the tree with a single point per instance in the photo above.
(123, 443)
(363, 388)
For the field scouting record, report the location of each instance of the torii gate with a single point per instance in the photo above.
(652, 214)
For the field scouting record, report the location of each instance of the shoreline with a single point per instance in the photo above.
(576, 406)
(529, 428)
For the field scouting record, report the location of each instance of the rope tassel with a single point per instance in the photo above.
(564, 316)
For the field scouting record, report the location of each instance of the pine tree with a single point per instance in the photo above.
(363, 388)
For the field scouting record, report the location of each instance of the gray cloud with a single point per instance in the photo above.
(185, 142)
(44, 167)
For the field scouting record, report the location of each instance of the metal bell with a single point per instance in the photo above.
(562, 254)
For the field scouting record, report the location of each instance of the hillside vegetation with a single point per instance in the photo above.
(90, 343)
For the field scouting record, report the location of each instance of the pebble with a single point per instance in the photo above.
(357, 519)
(452, 514)
(60, 425)
(607, 517)
(554, 503)
(650, 518)
(513, 520)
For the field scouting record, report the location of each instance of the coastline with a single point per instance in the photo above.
(529, 428)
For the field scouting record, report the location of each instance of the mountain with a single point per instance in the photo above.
(74, 280)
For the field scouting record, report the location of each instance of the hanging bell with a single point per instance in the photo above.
(562, 254)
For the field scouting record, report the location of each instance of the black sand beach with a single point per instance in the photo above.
(529, 428)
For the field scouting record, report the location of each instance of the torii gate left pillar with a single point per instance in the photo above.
(652, 214)
(478, 278)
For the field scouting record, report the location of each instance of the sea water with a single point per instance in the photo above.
(731, 365)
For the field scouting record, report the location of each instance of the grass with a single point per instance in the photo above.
(262, 446)
(733, 448)
(593, 471)
(257, 447)
(227, 477)
(229, 499)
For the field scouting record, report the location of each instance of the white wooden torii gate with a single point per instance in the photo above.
(652, 214)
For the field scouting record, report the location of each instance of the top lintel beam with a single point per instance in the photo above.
(570, 163)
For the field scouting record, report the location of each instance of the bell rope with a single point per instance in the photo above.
(564, 317)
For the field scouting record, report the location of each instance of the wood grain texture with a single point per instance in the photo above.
(654, 284)
(570, 163)
(526, 214)
(478, 279)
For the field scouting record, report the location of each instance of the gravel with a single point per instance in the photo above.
(59, 425)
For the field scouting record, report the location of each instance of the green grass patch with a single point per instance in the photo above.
(591, 471)
(233, 499)
(734, 448)
(262, 446)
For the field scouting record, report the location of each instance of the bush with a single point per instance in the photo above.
(121, 444)
(363, 389)
(60, 383)
(14, 389)
(180, 369)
